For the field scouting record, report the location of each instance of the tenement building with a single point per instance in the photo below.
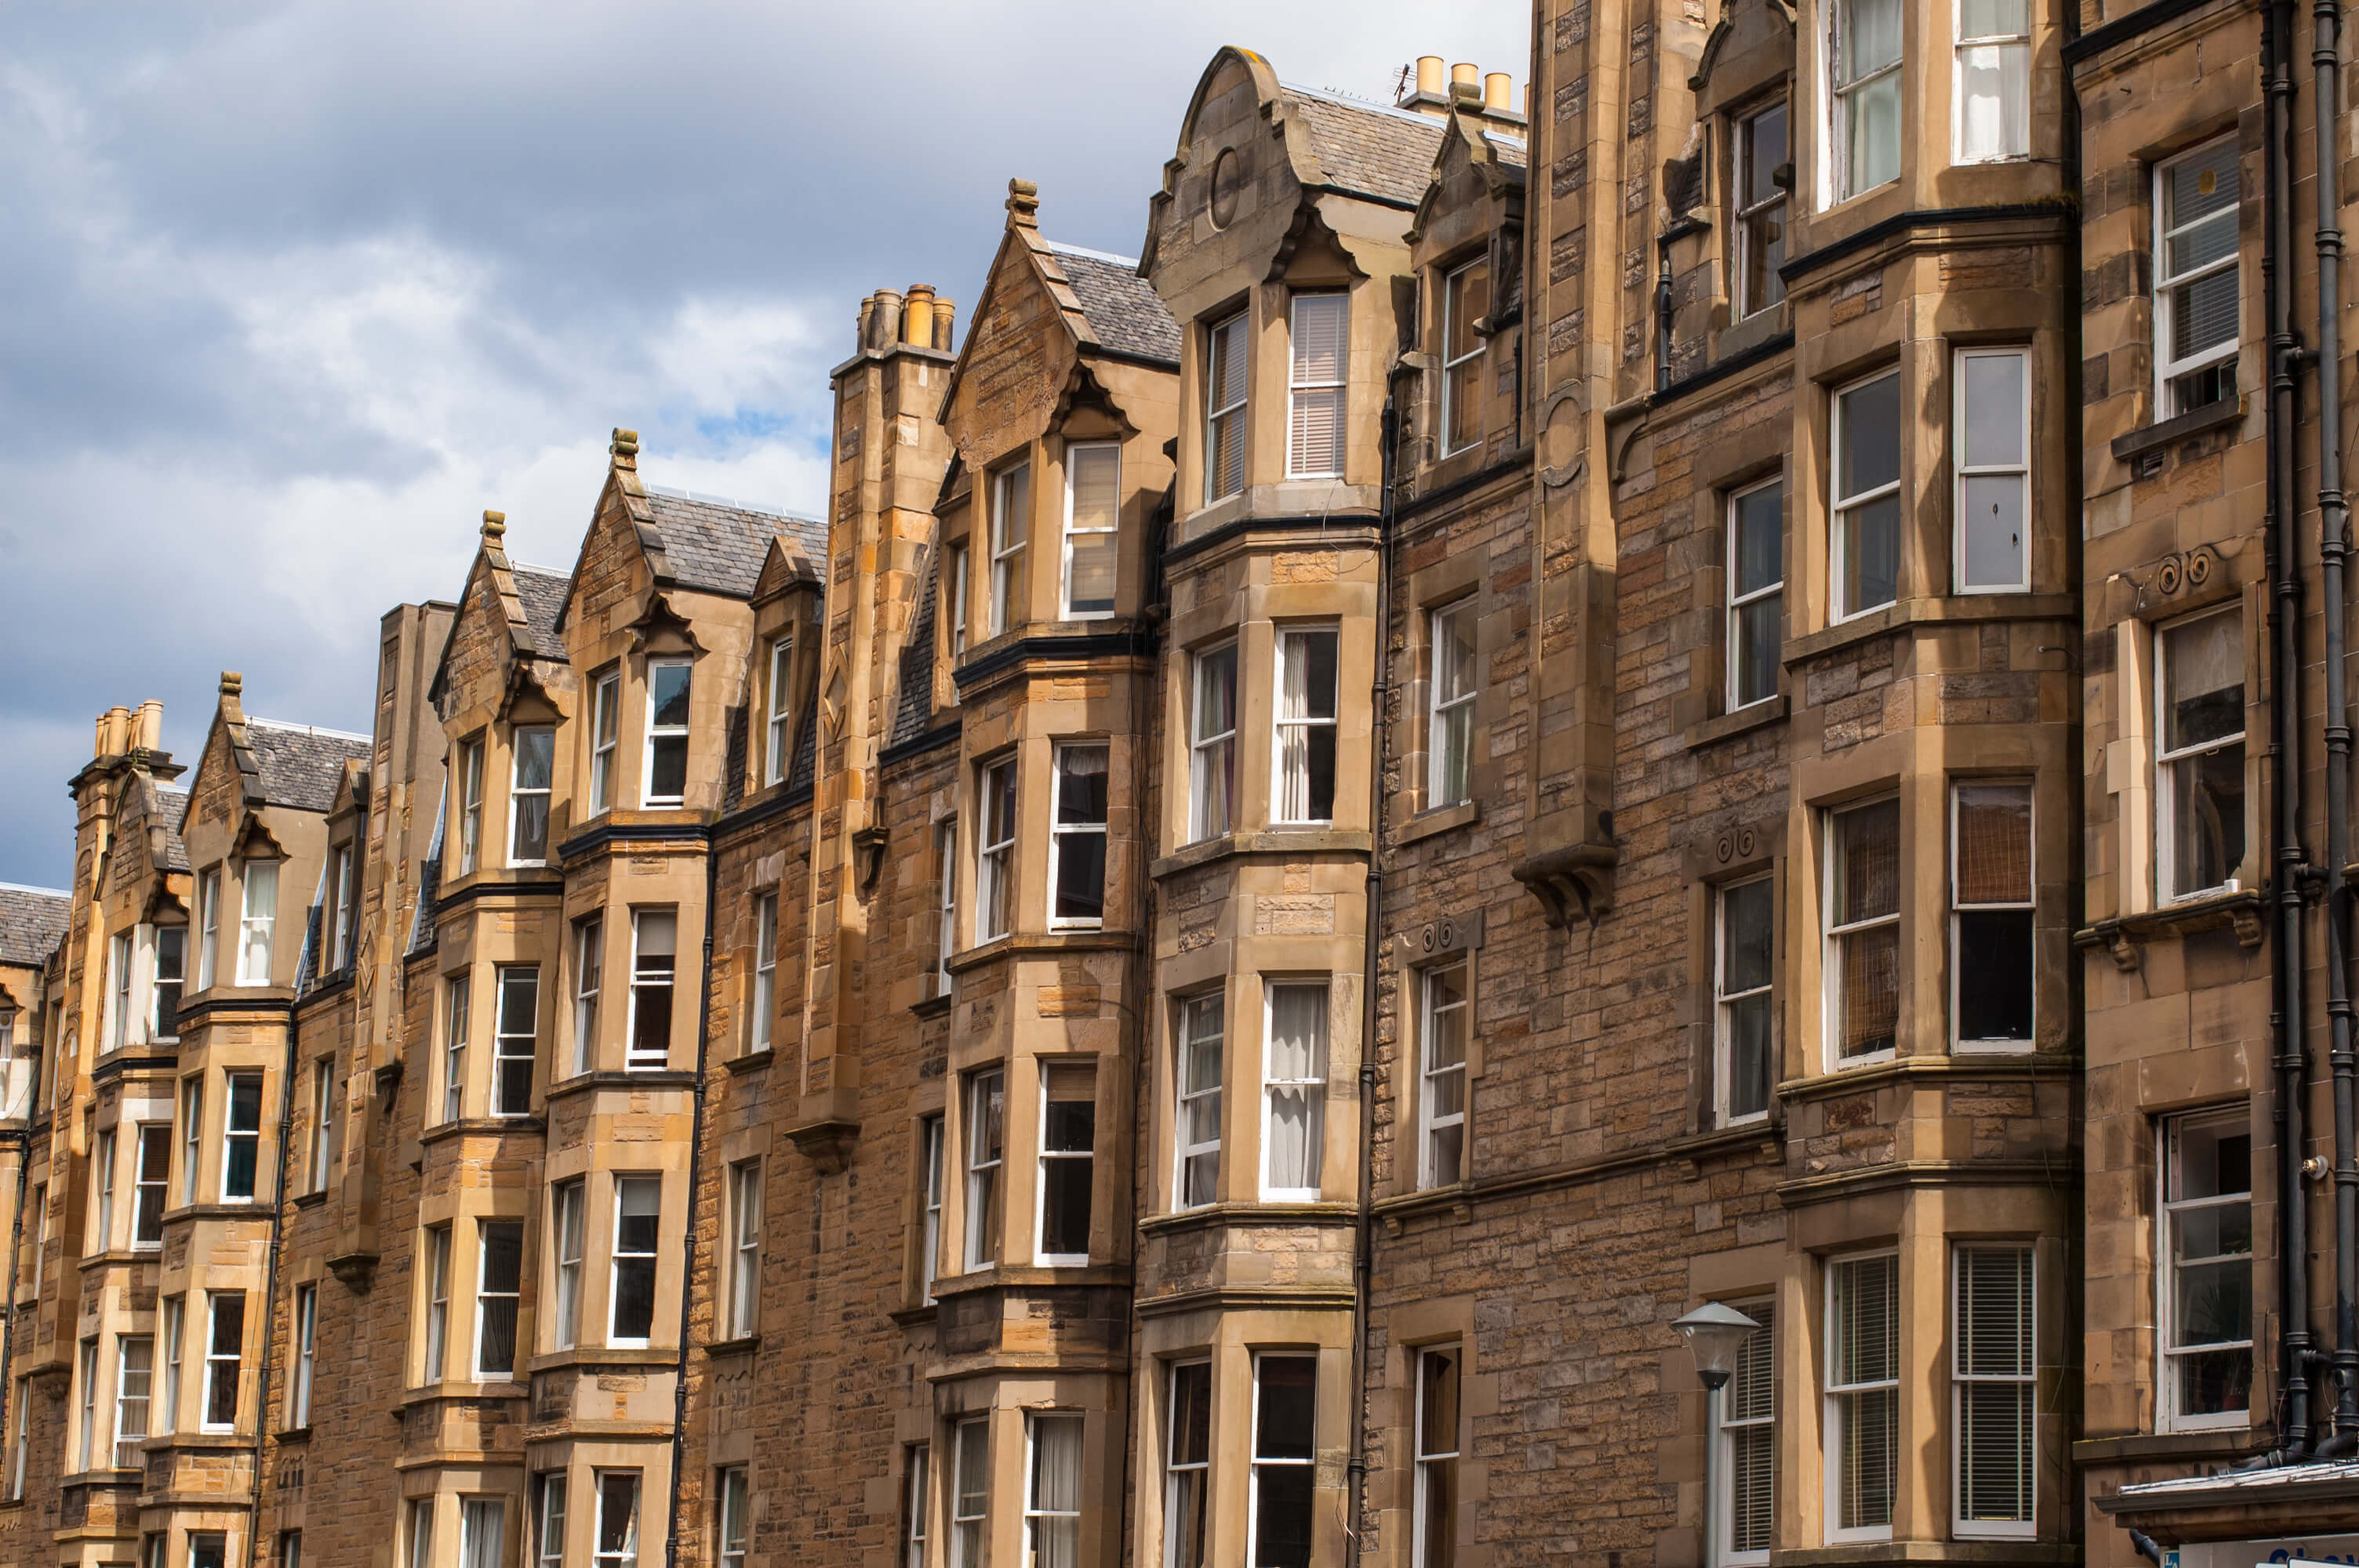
(1609, 825)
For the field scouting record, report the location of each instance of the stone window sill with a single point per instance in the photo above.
(1752, 716)
(1440, 819)
(751, 1062)
(744, 1345)
(2162, 433)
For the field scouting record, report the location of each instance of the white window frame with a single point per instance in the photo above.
(1958, 908)
(2166, 370)
(977, 1524)
(519, 792)
(160, 1026)
(960, 574)
(1292, 644)
(1185, 1475)
(1836, 1393)
(2017, 135)
(215, 1361)
(421, 1532)
(142, 1185)
(1831, 946)
(681, 733)
(436, 1358)
(1442, 711)
(126, 1400)
(568, 1203)
(2167, 1415)
(514, 1042)
(1963, 1380)
(102, 1171)
(985, 1169)
(1300, 380)
(458, 1004)
(1431, 1122)
(628, 1556)
(209, 890)
(118, 1008)
(589, 965)
(346, 908)
(86, 1435)
(917, 1502)
(946, 934)
(1746, 149)
(1040, 1518)
(193, 1138)
(1841, 92)
(778, 726)
(1041, 1256)
(605, 720)
(1312, 1088)
(1060, 830)
(654, 1257)
(549, 1524)
(995, 858)
(1962, 471)
(1740, 601)
(307, 1344)
(733, 1521)
(644, 979)
(745, 1249)
(1729, 1428)
(256, 932)
(20, 1444)
(1425, 1463)
(484, 1298)
(1110, 533)
(174, 1326)
(932, 1150)
(765, 1001)
(1725, 1001)
(1011, 530)
(232, 1134)
(482, 1531)
(471, 804)
(1226, 342)
(1213, 751)
(1452, 303)
(2165, 761)
(1846, 509)
(1256, 1464)
(1190, 1040)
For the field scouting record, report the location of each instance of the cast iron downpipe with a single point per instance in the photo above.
(278, 1220)
(695, 1175)
(1363, 1231)
(2290, 1054)
(2333, 523)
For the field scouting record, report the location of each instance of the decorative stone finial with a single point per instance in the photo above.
(231, 683)
(1024, 203)
(495, 523)
(626, 450)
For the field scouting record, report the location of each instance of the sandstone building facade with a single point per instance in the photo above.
(1706, 683)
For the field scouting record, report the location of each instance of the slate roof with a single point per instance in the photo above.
(1367, 147)
(718, 546)
(32, 922)
(914, 715)
(302, 766)
(543, 594)
(172, 804)
(1123, 310)
(1513, 152)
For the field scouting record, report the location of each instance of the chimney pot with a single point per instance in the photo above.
(114, 733)
(884, 319)
(918, 315)
(1431, 75)
(1465, 72)
(151, 726)
(1498, 89)
(945, 317)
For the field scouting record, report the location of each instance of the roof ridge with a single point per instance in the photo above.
(1063, 249)
(706, 498)
(45, 892)
(558, 572)
(282, 725)
(1348, 100)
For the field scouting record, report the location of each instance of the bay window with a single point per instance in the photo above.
(1992, 444)
(995, 866)
(669, 682)
(470, 805)
(655, 940)
(259, 919)
(615, 1543)
(1295, 1086)
(1011, 523)
(1304, 789)
(606, 713)
(1225, 357)
(1991, 959)
(1863, 1395)
(516, 1032)
(499, 1288)
(1863, 53)
(777, 729)
(566, 1230)
(1993, 1366)
(209, 897)
(929, 1242)
(1092, 521)
(438, 1304)
(241, 1138)
(1993, 80)
(1052, 1502)
(1198, 1100)
(1314, 427)
(135, 1373)
(1862, 932)
(638, 1221)
(1284, 1454)
(531, 782)
(1212, 743)
(970, 1490)
(986, 1145)
(1866, 546)
(1077, 853)
(587, 962)
(1066, 1166)
(1188, 1466)
(224, 1358)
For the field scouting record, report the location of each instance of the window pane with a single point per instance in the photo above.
(1875, 133)
(1992, 398)
(668, 687)
(2203, 679)
(1874, 37)
(1081, 785)
(1991, 513)
(1758, 556)
(1867, 860)
(1095, 556)
(1995, 112)
(1287, 1389)
(1072, 1128)
(1871, 437)
(2196, 187)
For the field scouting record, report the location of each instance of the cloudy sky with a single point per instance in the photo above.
(296, 291)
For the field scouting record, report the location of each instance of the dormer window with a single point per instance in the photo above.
(667, 760)
(1224, 408)
(345, 888)
(774, 748)
(209, 896)
(956, 576)
(1760, 210)
(1092, 513)
(528, 788)
(1314, 424)
(1011, 507)
(470, 805)
(256, 922)
(1465, 299)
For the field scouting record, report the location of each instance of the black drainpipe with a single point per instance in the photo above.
(695, 1175)
(279, 1216)
(22, 1143)
(2290, 1054)
(2334, 522)
(1363, 1230)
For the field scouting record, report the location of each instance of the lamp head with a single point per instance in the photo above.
(1715, 1333)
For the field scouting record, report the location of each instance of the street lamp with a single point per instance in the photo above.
(1715, 1333)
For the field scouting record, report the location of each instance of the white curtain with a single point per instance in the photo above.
(1297, 1058)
